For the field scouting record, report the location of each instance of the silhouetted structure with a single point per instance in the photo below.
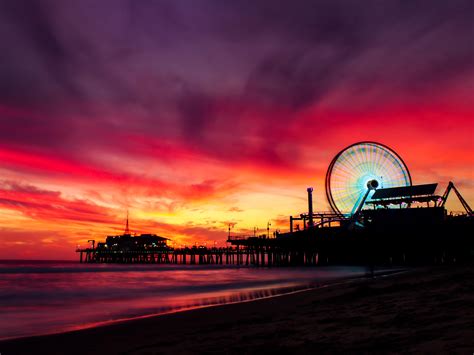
(118, 248)
(418, 231)
(397, 225)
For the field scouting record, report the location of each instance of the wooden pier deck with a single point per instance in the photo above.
(265, 255)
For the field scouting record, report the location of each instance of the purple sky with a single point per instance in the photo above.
(217, 95)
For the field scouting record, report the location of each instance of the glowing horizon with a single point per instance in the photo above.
(197, 117)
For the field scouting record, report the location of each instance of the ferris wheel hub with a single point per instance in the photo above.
(372, 184)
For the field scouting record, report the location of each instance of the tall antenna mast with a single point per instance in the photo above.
(127, 230)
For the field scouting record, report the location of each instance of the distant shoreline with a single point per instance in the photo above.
(421, 310)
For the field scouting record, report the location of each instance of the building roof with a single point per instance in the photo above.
(130, 236)
(404, 191)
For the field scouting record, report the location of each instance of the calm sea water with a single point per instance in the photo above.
(42, 297)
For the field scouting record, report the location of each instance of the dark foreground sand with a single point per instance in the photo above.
(428, 310)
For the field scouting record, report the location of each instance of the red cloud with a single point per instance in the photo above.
(50, 205)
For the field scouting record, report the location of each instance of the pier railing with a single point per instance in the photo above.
(239, 255)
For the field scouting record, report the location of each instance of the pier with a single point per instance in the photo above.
(261, 255)
(403, 224)
(446, 240)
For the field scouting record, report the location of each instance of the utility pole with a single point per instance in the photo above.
(310, 207)
(268, 229)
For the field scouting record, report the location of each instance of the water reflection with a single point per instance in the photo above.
(40, 298)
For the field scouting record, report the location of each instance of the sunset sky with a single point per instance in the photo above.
(196, 114)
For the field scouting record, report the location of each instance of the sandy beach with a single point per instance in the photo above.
(423, 310)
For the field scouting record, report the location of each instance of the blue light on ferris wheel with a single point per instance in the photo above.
(353, 167)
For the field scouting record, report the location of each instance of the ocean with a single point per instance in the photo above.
(44, 297)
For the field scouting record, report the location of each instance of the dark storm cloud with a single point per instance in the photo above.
(54, 60)
(329, 45)
(297, 78)
(166, 68)
(33, 53)
(196, 111)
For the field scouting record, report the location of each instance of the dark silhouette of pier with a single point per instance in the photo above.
(405, 224)
(421, 232)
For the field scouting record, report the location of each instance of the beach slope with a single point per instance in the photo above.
(424, 310)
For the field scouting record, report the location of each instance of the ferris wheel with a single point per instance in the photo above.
(361, 167)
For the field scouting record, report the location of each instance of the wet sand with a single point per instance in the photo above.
(428, 310)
